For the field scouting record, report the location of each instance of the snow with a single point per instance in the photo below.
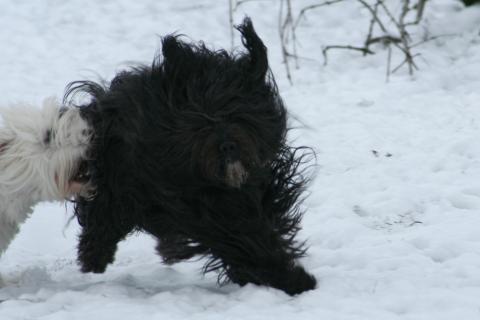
(393, 216)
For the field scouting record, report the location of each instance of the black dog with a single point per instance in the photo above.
(192, 150)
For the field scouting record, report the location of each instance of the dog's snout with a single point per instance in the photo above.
(87, 132)
(228, 148)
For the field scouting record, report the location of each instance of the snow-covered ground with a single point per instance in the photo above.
(393, 218)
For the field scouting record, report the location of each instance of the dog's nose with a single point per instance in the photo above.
(228, 148)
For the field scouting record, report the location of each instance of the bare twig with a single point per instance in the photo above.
(287, 33)
(405, 37)
(431, 39)
(420, 10)
(395, 40)
(389, 63)
(390, 15)
(230, 21)
(407, 60)
(364, 50)
(282, 29)
(385, 40)
(311, 7)
(398, 24)
(371, 26)
(240, 2)
(402, 42)
(403, 14)
(374, 15)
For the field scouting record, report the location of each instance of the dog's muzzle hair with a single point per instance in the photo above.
(41, 150)
(235, 174)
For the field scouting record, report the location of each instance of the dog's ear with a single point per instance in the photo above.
(170, 46)
(173, 49)
(256, 49)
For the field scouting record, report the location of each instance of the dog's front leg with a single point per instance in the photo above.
(8, 230)
(98, 239)
(97, 248)
(10, 220)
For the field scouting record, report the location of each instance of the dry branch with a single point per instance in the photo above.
(397, 39)
(286, 31)
(364, 50)
(311, 7)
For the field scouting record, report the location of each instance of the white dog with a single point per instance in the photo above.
(41, 150)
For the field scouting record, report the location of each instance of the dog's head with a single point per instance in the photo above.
(195, 117)
(41, 150)
(224, 116)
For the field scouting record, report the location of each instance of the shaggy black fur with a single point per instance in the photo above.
(470, 2)
(192, 150)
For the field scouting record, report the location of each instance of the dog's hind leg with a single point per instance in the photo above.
(172, 245)
(260, 257)
(176, 248)
(246, 245)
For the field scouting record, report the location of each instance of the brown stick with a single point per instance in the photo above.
(230, 21)
(420, 10)
(370, 27)
(311, 7)
(283, 23)
(362, 49)
(389, 63)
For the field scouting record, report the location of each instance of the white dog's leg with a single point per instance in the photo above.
(10, 225)
(8, 230)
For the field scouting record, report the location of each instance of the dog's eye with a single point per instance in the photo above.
(4, 146)
(82, 177)
(48, 136)
(83, 174)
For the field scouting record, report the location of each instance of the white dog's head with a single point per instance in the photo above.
(41, 150)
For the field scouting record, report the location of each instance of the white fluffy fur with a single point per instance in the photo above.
(34, 168)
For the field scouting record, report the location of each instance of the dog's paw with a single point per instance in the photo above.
(95, 268)
(298, 281)
(292, 280)
(95, 262)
